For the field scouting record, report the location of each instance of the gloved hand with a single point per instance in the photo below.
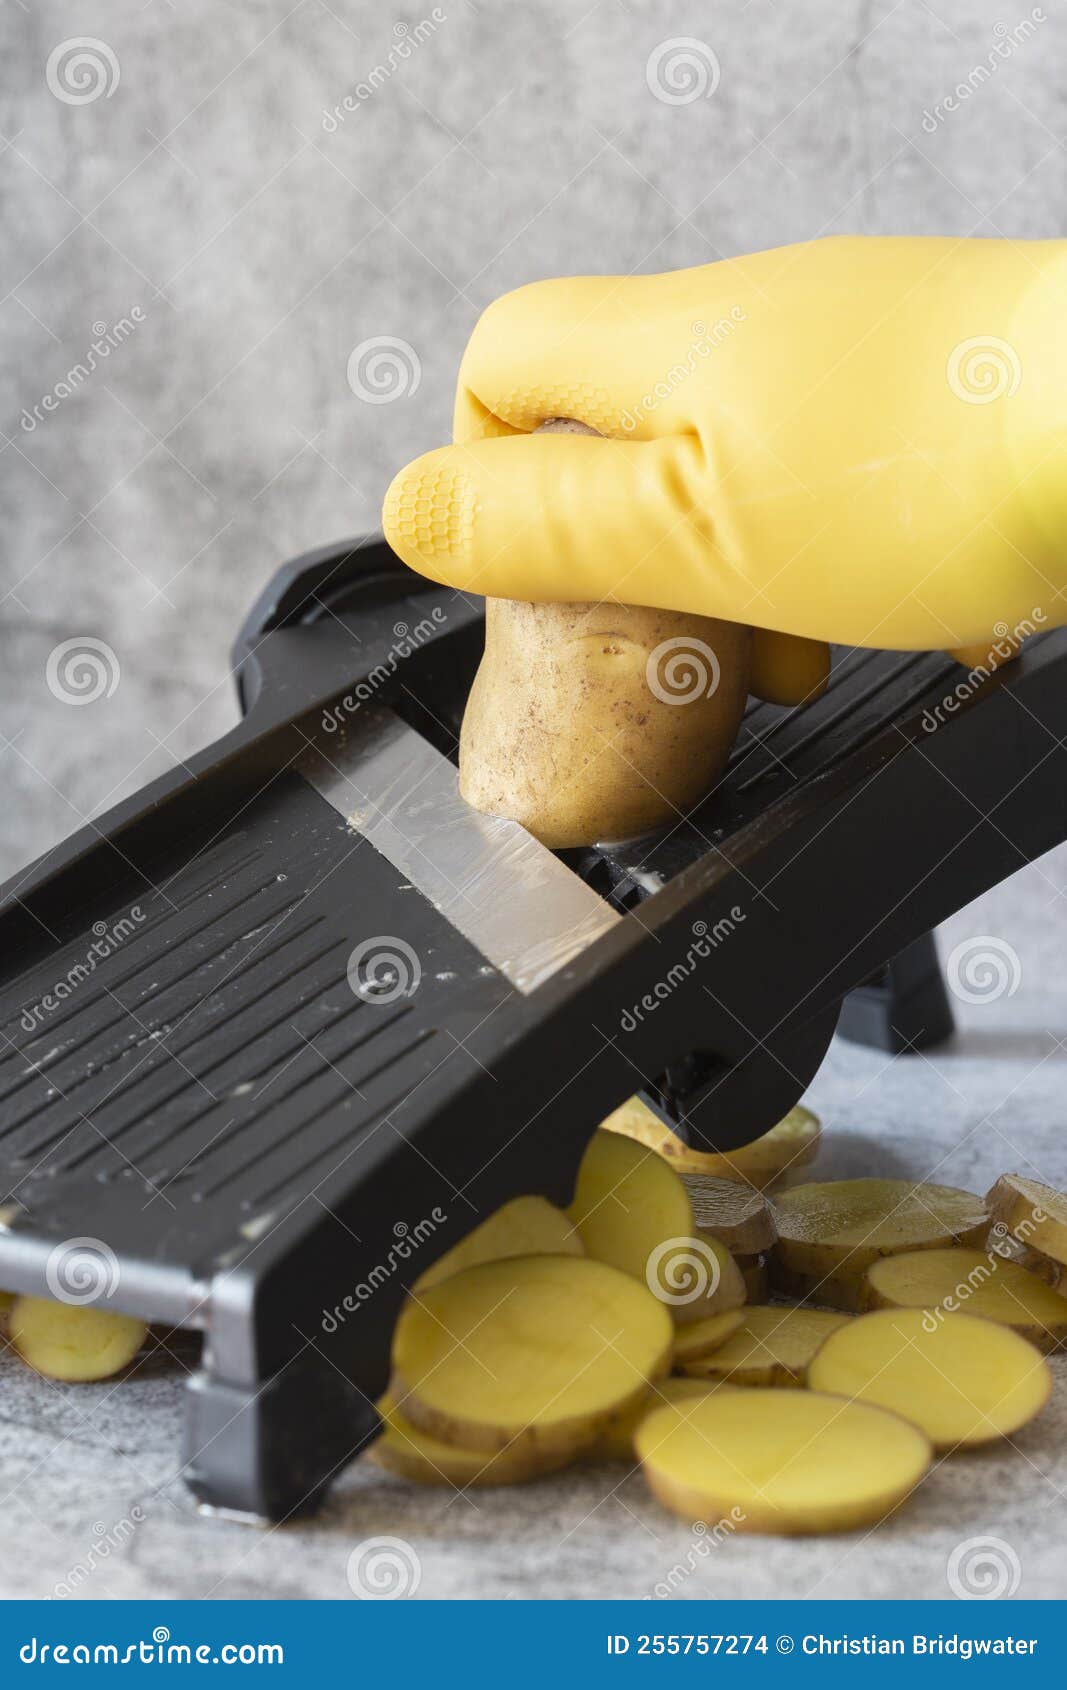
(860, 440)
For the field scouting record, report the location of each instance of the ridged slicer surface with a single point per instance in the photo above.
(218, 1055)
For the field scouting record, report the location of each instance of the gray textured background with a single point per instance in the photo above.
(518, 140)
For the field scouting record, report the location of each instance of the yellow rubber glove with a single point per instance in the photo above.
(860, 440)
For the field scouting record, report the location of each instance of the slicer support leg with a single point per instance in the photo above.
(272, 1449)
(905, 1007)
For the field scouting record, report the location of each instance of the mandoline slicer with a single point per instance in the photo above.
(345, 1017)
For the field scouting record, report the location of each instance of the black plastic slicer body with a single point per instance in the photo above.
(349, 1017)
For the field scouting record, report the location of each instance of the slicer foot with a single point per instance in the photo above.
(903, 1008)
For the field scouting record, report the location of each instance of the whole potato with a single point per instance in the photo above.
(598, 722)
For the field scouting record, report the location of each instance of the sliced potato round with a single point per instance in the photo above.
(977, 1282)
(527, 1226)
(703, 1337)
(72, 1341)
(780, 1461)
(697, 1278)
(841, 1226)
(536, 1352)
(771, 1345)
(616, 1441)
(737, 1214)
(1033, 1213)
(628, 1205)
(844, 1291)
(634, 1119)
(789, 1146)
(792, 1144)
(413, 1454)
(753, 1271)
(1045, 1267)
(962, 1380)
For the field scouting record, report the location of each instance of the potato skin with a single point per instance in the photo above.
(783, 1152)
(404, 1450)
(844, 1292)
(563, 731)
(564, 734)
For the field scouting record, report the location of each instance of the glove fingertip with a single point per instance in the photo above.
(428, 515)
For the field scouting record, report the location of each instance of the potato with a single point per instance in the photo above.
(771, 1346)
(563, 733)
(845, 1291)
(705, 1336)
(780, 1461)
(590, 722)
(740, 1217)
(753, 1270)
(413, 1454)
(707, 1261)
(961, 1380)
(527, 1226)
(632, 1211)
(627, 1205)
(7, 1303)
(1033, 1213)
(532, 1353)
(616, 1442)
(790, 1145)
(1044, 1267)
(73, 1342)
(979, 1283)
(634, 1119)
(840, 1227)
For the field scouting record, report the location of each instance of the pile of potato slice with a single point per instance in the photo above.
(906, 1321)
(783, 1363)
(78, 1343)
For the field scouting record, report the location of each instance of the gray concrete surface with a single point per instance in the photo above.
(94, 1507)
(261, 245)
(252, 246)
